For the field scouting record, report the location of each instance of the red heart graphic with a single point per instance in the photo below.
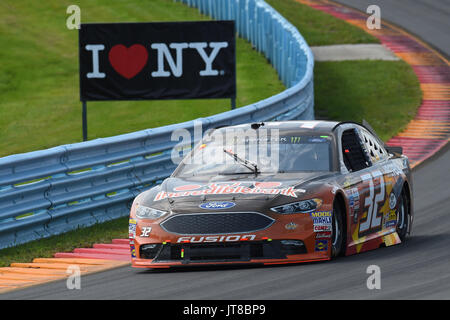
(128, 62)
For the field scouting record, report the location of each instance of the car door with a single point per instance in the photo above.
(389, 174)
(364, 187)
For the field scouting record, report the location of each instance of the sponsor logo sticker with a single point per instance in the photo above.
(392, 201)
(291, 226)
(390, 219)
(217, 205)
(320, 235)
(227, 189)
(320, 228)
(321, 245)
(321, 217)
(132, 229)
(133, 251)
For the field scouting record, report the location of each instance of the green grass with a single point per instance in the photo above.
(82, 238)
(319, 28)
(39, 86)
(385, 93)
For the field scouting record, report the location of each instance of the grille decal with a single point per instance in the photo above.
(216, 223)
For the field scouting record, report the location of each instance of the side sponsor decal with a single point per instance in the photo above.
(392, 201)
(321, 235)
(390, 219)
(132, 229)
(321, 217)
(322, 228)
(133, 250)
(321, 245)
(322, 220)
(354, 204)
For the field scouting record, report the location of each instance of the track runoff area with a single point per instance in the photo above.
(424, 137)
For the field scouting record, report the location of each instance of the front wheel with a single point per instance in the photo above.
(402, 216)
(337, 236)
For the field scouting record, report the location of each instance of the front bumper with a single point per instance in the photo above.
(272, 245)
(267, 251)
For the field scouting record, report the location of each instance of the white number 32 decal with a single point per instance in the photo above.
(145, 231)
(372, 221)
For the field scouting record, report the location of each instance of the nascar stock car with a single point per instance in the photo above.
(275, 193)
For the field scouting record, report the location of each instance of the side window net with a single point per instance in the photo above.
(354, 156)
(374, 149)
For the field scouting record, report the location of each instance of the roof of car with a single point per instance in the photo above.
(301, 125)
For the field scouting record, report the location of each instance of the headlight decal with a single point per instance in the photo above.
(304, 206)
(143, 212)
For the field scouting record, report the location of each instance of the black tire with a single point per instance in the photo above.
(337, 234)
(403, 217)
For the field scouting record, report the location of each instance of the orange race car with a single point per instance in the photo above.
(275, 193)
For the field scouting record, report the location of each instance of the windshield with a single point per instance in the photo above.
(238, 153)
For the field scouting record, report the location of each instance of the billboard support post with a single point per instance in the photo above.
(233, 103)
(84, 116)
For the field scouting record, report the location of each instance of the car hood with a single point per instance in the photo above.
(187, 194)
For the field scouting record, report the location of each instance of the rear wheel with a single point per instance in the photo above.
(402, 216)
(337, 236)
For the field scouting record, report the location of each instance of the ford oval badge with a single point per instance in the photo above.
(217, 205)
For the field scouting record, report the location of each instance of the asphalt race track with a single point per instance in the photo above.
(427, 19)
(416, 269)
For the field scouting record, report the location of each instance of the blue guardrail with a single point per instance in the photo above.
(52, 191)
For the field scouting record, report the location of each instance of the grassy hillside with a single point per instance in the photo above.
(319, 28)
(385, 93)
(39, 86)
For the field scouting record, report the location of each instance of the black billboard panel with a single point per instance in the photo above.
(145, 61)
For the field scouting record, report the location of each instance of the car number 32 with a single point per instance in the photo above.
(372, 220)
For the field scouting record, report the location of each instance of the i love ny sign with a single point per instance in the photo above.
(142, 61)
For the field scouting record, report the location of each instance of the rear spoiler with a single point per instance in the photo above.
(395, 150)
